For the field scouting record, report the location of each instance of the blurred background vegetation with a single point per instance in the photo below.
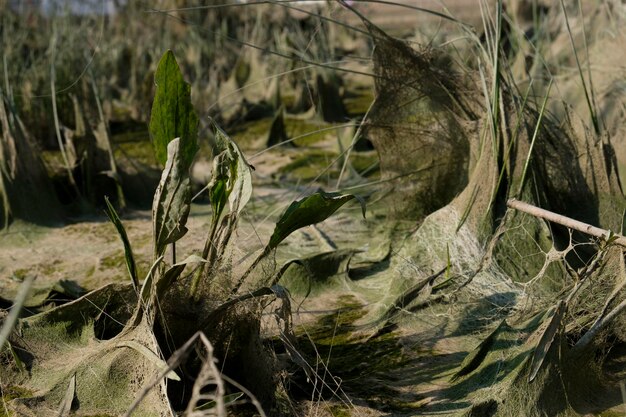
(78, 85)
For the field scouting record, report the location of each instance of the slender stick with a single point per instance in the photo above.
(563, 220)
(205, 255)
(251, 268)
(584, 341)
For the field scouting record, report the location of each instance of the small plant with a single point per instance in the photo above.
(93, 362)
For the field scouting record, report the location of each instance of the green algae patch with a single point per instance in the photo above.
(250, 135)
(9, 393)
(131, 135)
(113, 261)
(358, 105)
(364, 368)
(308, 132)
(53, 160)
(253, 134)
(138, 151)
(339, 410)
(20, 274)
(310, 165)
(365, 164)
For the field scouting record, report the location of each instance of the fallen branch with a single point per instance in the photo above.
(565, 221)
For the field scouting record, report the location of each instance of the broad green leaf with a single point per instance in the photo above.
(172, 200)
(128, 252)
(548, 336)
(310, 210)
(173, 115)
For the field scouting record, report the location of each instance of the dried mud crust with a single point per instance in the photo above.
(88, 253)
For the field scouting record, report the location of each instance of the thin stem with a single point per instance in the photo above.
(594, 118)
(599, 324)
(205, 253)
(532, 142)
(55, 114)
(354, 139)
(254, 264)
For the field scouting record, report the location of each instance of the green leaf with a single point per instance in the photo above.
(218, 196)
(128, 252)
(172, 200)
(173, 115)
(547, 338)
(172, 274)
(231, 181)
(310, 210)
(230, 165)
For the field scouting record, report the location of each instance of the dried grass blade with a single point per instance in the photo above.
(66, 403)
(548, 337)
(11, 319)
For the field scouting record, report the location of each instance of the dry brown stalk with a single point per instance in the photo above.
(564, 221)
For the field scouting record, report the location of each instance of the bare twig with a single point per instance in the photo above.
(584, 341)
(564, 221)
